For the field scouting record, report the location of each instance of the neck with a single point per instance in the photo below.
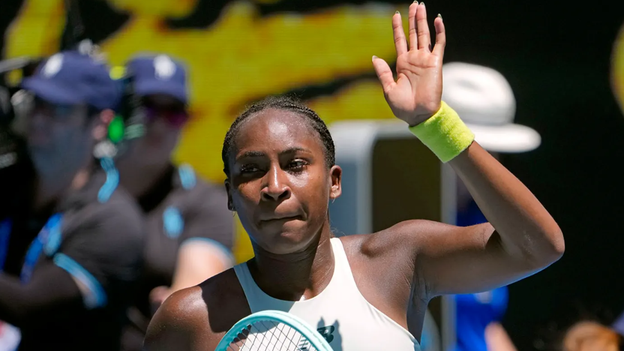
(138, 177)
(49, 191)
(291, 276)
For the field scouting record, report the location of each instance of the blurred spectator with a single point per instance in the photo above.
(190, 230)
(591, 336)
(72, 254)
(484, 100)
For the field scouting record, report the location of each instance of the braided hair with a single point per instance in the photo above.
(281, 103)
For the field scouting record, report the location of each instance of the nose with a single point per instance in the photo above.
(276, 187)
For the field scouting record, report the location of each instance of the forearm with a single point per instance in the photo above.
(22, 304)
(526, 229)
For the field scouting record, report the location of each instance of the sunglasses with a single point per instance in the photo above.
(175, 115)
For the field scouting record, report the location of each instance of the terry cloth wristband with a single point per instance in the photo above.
(444, 133)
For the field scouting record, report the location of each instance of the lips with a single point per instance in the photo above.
(280, 218)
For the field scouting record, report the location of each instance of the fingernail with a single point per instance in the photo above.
(439, 15)
(374, 57)
(397, 13)
(416, 2)
(422, 3)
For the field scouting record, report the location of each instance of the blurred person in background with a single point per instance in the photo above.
(189, 228)
(69, 258)
(485, 101)
(591, 336)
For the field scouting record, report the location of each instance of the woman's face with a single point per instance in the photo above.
(279, 182)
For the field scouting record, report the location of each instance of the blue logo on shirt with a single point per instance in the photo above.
(173, 222)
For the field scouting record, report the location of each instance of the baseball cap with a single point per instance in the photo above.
(158, 74)
(485, 102)
(70, 77)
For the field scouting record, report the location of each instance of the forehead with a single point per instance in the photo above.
(272, 130)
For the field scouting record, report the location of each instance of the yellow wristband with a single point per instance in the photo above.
(444, 133)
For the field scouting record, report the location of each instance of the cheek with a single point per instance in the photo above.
(245, 195)
(313, 192)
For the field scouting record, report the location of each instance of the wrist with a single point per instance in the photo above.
(422, 117)
(444, 133)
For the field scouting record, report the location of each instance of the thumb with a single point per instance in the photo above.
(384, 73)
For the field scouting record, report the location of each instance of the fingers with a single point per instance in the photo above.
(400, 43)
(413, 37)
(440, 43)
(384, 73)
(424, 37)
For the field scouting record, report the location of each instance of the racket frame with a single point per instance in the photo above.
(314, 337)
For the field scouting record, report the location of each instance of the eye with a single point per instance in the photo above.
(297, 166)
(249, 169)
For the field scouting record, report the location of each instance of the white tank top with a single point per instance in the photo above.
(340, 313)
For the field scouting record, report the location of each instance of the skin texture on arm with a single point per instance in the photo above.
(206, 241)
(522, 237)
(497, 338)
(195, 319)
(178, 323)
(198, 260)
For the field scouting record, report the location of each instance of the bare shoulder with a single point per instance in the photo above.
(409, 236)
(196, 318)
(178, 321)
(384, 265)
(398, 248)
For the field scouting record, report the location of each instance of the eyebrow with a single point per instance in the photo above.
(252, 154)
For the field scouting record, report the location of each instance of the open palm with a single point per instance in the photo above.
(416, 93)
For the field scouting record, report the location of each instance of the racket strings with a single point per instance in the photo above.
(270, 336)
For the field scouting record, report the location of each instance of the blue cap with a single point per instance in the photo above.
(73, 78)
(158, 74)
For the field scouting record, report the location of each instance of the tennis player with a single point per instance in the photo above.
(361, 292)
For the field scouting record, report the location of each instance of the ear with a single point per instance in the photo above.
(228, 189)
(103, 120)
(336, 182)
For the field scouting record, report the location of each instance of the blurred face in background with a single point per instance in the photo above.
(60, 137)
(164, 118)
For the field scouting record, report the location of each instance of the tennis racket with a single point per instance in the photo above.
(272, 331)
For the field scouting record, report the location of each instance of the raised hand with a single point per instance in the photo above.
(417, 92)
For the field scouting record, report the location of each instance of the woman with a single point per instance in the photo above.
(362, 292)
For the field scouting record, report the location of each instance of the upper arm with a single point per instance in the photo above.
(457, 260)
(103, 253)
(50, 293)
(181, 324)
(207, 239)
(199, 260)
(96, 261)
(209, 218)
